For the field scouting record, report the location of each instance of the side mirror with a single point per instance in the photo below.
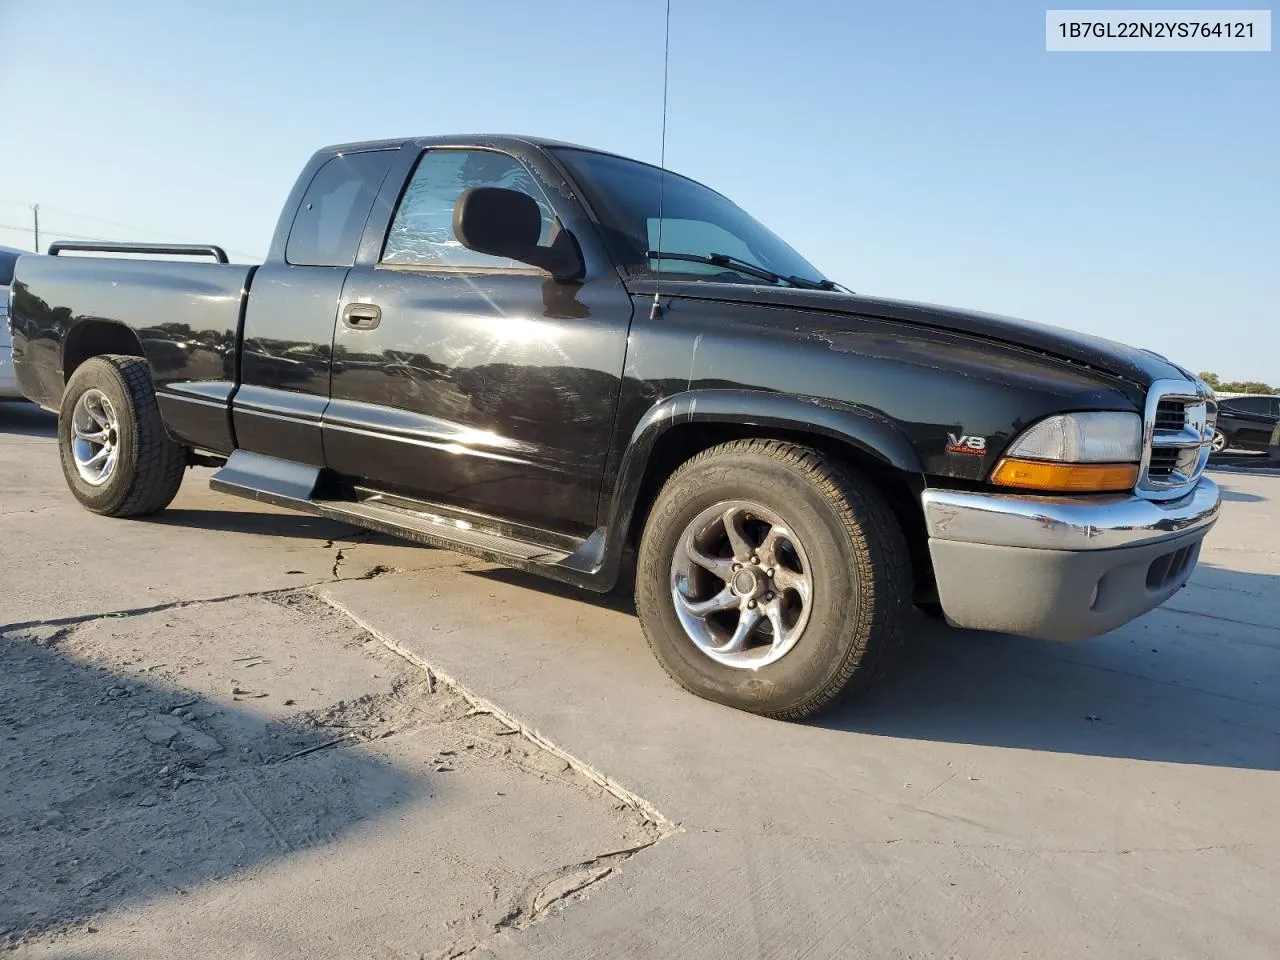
(507, 223)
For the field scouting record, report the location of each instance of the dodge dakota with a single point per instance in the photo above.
(561, 359)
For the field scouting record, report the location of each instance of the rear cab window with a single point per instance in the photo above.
(330, 219)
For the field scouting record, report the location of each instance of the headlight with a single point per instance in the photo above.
(1082, 438)
(1074, 453)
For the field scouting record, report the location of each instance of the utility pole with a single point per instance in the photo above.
(35, 215)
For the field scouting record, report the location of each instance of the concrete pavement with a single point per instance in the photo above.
(993, 797)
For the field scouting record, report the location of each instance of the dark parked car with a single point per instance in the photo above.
(552, 357)
(1246, 422)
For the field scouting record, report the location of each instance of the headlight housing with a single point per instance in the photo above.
(1074, 453)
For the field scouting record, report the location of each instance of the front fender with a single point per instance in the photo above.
(858, 427)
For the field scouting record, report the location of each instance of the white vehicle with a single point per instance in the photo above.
(8, 383)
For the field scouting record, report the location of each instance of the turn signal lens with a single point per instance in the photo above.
(1065, 477)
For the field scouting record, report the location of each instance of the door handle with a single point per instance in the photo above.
(362, 316)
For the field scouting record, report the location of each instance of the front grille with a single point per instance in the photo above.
(1171, 414)
(1179, 431)
(1163, 462)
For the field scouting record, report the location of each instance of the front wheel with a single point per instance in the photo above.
(117, 457)
(1220, 441)
(771, 578)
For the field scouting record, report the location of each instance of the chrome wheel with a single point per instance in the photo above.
(1219, 441)
(741, 584)
(95, 437)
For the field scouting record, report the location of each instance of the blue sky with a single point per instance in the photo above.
(925, 150)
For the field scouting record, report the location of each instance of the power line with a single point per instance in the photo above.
(163, 234)
(155, 234)
(58, 233)
(64, 235)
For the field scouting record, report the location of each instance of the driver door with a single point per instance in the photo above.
(470, 380)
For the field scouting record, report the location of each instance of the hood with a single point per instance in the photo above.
(1140, 367)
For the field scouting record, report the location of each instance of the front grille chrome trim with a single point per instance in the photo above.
(1195, 434)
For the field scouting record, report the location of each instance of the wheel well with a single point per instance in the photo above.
(93, 338)
(901, 490)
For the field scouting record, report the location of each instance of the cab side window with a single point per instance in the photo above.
(421, 233)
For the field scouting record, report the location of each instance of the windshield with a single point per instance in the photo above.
(695, 221)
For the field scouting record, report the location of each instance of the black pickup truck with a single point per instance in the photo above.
(561, 359)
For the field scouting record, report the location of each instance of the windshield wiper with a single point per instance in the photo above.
(743, 266)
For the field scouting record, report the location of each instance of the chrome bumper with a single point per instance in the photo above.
(1067, 523)
(1062, 568)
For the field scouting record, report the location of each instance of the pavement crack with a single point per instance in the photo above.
(139, 611)
(552, 890)
(377, 570)
(1213, 616)
(481, 705)
(344, 555)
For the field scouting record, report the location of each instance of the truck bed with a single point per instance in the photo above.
(184, 317)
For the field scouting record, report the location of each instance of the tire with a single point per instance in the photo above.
(852, 545)
(1221, 442)
(148, 464)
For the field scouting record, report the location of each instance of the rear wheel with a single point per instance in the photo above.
(117, 457)
(771, 578)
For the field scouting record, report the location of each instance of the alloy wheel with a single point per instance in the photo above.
(741, 584)
(95, 437)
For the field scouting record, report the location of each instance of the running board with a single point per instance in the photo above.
(305, 489)
(436, 530)
(268, 479)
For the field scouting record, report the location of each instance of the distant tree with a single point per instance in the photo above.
(1236, 386)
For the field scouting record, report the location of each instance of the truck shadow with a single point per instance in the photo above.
(1232, 495)
(1196, 681)
(109, 798)
(284, 523)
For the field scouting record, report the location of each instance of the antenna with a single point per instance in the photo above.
(656, 310)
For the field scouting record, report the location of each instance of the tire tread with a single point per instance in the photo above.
(865, 517)
(159, 460)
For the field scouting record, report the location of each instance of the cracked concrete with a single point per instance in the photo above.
(183, 752)
(201, 756)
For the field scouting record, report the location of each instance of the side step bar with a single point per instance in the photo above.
(301, 487)
(437, 530)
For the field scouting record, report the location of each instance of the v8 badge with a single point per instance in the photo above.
(974, 446)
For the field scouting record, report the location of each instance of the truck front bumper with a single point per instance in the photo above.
(1062, 568)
